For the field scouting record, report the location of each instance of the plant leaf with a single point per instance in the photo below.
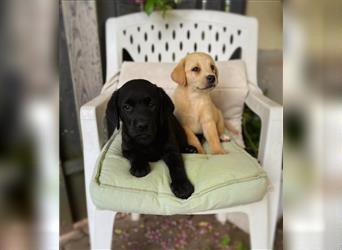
(240, 246)
(225, 241)
(149, 6)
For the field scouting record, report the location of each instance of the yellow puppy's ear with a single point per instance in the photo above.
(216, 72)
(178, 73)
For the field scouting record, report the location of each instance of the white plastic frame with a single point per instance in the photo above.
(242, 29)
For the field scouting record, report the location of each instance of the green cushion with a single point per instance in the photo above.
(220, 181)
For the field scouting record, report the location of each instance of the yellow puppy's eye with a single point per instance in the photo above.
(212, 67)
(195, 69)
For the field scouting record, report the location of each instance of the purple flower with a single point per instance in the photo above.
(136, 1)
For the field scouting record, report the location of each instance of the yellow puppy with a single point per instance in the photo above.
(196, 75)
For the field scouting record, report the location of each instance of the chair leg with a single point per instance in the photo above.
(135, 216)
(101, 225)
(258, 224)
(221, 217)
(274, 202)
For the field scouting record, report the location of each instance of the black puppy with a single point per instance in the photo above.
(150, 132)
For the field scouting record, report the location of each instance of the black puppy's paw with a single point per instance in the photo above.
(140, 171)
(182, 189)
(189, 149)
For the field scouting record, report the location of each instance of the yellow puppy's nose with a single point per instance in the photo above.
(211, 78)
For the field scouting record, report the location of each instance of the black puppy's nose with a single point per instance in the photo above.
(211, 78)
(141, 125)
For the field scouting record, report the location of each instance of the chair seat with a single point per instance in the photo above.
(220, 181)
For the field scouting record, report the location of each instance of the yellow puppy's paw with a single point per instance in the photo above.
(224, 137)
(200, 150)
(220, 151)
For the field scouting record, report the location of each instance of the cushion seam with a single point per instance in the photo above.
(103, 153)
(203, 192)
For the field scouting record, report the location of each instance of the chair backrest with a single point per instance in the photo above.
(167, 39)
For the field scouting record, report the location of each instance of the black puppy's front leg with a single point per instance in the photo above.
(139, 167)
(180, 184)
(189, 149)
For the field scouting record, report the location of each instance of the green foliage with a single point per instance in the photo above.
(240, 246)
(225, 241)
(251, 127)
(162, 5)
(149, 6)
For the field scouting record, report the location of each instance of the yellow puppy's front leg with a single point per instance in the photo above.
(210, 133)
(193, 140)
(220, 128)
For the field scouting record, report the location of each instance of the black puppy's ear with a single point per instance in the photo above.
(112, 113)
(166, 105)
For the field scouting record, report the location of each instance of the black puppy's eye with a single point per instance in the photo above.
(195, 69)
(151, 105)
(127, 107)
(212, 67)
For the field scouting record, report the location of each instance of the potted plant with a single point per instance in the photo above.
(151, 5)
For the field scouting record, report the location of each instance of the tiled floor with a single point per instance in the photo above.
(202, 232)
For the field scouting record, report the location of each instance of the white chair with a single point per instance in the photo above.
(168, 39)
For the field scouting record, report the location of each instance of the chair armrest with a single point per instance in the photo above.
(93, 126)
(270, 149)
(93, 119)
(271, 138)
(93, 132)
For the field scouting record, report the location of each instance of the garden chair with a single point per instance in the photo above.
(167, 39)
